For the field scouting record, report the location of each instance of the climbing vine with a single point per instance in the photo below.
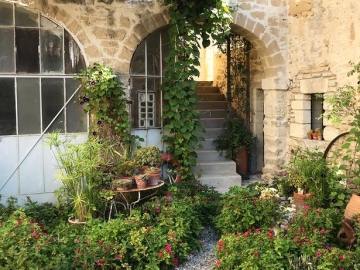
(191, 21)
(103, 94)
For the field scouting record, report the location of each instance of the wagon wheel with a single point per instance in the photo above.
(343, 158)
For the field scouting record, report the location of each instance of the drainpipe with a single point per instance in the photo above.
(228, 80)
(247, 59)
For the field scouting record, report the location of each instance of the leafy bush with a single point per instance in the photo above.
(244, 208)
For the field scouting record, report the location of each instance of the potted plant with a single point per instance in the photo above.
(142, 180)
(319, 133)
(126, 168)
(79, 174)
(309, 134)
(309, 174)
(154, 177)
(149, 156)
(122, 184)
(235, 142)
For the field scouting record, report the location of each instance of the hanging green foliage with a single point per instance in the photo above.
(103, 95)
(191, 21)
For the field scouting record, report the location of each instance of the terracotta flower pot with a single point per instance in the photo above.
(353, 206)
(300, 200)
(140, 183)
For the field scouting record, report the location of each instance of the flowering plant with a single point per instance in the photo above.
(244, 208)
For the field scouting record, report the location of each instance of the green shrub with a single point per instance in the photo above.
(244, 208)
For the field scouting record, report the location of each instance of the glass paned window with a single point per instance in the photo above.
(26, 18)
(51, 50)
(74, 112)
(153, 54)
(52, 100)
(7, 106)
(74, 61)
(7, 50)
(316, 111)
(27, 55)
(37, 57)
(145, 79)
(6, 14)
(28, 99)
(138, 61)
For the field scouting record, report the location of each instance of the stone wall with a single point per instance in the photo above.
(323, 41)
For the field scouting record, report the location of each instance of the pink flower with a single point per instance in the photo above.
(303, 229)
(157, 210)
(168, 248)
(118, 256)
(318, 254)
(176, 261)
(218, 263)
(171, 235)
(150, 229)
(19, 222)
(306, 207)
(160, 254)
(100, 263)
(322, 231)
(246, 234)
(100, 242)
(340, 268)
(257, 230)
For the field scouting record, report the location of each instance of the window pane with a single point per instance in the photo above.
(165, 43)
(27, 56)
(28, 96)
(51, 50)
(46, 23)
(74, 60)
(6, 14)
(137, 85)
(76, 118)
(153, 54)
(7, 51)
(24, 17)
(138, 61)
(7, 107)
(154, 86)
(52, 100)
(316, 111)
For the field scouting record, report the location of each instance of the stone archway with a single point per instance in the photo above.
(263, 30)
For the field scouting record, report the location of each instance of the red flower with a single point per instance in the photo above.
(218, 263)
(176, 261)
(19, 222)
(342, 258)
(100, 242)
(118, 256)
(318, 254)
(100, 263)
(168, 248)
(246, 234)
(256, 254)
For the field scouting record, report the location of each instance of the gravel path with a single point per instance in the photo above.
(204, 259)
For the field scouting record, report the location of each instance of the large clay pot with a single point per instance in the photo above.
(242, 161)
(353, 206)
(154, 177)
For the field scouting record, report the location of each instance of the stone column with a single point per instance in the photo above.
(276, 126)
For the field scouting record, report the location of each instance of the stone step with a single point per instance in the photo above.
(219, 113)
(204, 83)
(221, 183)
(209, 105)
(207, 89)
(209, 156)
(212, 122)
(210, 97)
(215, 168)
(208, 144)
(211, 133)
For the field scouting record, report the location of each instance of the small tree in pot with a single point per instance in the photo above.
(235, 138)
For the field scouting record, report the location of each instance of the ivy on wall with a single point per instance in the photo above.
(191, 21)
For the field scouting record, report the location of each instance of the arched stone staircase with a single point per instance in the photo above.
(213, 169)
